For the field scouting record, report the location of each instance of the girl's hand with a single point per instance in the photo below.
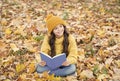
(66, 63)
(42, 63)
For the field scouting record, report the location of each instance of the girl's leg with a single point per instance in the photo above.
(41, 69)
(64, 70)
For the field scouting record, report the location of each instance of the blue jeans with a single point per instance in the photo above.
(61, 71)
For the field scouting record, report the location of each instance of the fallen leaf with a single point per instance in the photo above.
(108, 62)
(118, 63)
(81, 51)
(29, 46)
(87, 73)
(31, 68)
(59, 5)
(8, 31)
(7, 80)
(102, 10)
(102, 76)
(71, 78)
(14, 47)
(96, 69)
(2, 46)
(81, 57)
(22, 77)
(4, 22)
(20, 67)
(7, 61)
(101, 52)
(38, 79)
(37, 57)
(116, 71)
(101, 33)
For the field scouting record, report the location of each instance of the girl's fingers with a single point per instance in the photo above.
(66, 63)
(42, 63)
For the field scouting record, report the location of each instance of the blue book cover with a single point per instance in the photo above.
(53, 62)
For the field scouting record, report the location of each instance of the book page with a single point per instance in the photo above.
(58, 55)
(46, 54)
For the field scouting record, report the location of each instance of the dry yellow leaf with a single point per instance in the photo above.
(7, 61)
(81, 57)
(7, 80)
(32, 50)
(29, 46)
(14, 47)
(2, 46)
(22, 77)
(31, 68)
(45, 74)
(11, 74)
(108, 62)
(16, 21)
(38, 79)
(36, 75)
(71, 78)
(28, 18)
(91, 31)
(17, 31)
(8, 31)
(81, 51)
(107, 52)
(51, 77)
(20, 67)
(21, 30)
(101, 33)
(101, 52)
(4, 22)
(58, 78)
(118, 63)
(90, 14)
(97, 80)
(59, 5)
(102, 10)
(37, 57)
(102, 76)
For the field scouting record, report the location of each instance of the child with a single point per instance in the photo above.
(56, 42)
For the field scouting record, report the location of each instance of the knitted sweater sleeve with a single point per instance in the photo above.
(73, 51)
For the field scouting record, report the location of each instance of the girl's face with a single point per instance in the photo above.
(58, 31)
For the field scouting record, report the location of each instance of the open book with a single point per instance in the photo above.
(53, 62)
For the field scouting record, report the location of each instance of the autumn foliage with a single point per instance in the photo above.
(94, 23)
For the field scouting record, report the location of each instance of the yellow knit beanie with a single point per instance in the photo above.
(52, 21)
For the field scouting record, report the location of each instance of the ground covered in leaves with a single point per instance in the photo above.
(94, 23)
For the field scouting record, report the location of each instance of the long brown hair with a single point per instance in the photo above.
(65, 42)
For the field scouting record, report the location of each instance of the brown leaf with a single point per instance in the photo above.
(87, 73)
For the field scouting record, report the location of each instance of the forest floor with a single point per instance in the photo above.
(94, 23)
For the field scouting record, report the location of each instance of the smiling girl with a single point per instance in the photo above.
(58, 41)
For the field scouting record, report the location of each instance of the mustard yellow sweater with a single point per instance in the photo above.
(72, 48)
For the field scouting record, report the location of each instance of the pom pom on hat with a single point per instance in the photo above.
(52, 21)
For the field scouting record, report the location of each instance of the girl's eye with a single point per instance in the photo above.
(60, 26)
(55, 28)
